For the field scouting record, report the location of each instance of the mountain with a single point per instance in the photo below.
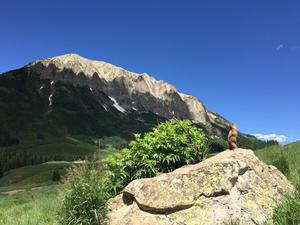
(131, 90)
(70, 95)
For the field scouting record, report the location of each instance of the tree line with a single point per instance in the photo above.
(255, 144)
(11, 160)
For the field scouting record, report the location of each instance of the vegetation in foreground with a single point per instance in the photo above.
(85, 194)
(170, 146)
(285, 158)
(31, 207)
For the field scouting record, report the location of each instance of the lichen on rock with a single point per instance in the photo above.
(232, 184)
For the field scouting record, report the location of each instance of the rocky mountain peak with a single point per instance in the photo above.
(128, 88)
(79, 64)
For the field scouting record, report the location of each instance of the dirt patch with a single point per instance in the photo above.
(34, 188)
(14, 179)
(82, 161)
(77, 162)
(13, 192)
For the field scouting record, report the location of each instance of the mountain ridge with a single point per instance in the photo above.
(131, 87)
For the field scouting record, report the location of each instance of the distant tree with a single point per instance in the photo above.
(1, 170)
(121, 145)
(35, 160)
(55, 175)
(41, 159)
(6, 140)
(89, 140)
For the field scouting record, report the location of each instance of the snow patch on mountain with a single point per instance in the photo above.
(116, 105)
(50, 100)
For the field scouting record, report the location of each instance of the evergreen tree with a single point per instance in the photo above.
(55, 175)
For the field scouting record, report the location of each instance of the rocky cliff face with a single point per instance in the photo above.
(131, 90)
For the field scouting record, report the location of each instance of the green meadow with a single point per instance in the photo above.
(30, 207)
(32, 176)
(73, 147)
(286, 158)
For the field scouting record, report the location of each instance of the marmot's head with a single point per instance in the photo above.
(232, 126)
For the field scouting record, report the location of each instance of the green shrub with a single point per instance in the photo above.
(160, 151)
(85, 194)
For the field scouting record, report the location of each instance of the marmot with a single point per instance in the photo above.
(232, 136)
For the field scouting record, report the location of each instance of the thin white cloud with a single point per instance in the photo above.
(268, 137)
(281, 138)
(297, 48)
(279, 47)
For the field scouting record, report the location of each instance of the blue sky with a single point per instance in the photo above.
(240, 58)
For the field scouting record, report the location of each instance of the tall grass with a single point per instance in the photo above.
(35, 208)
(285, 158)
(85, 195)
(288, 209)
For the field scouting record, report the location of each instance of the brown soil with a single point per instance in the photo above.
(20, 190)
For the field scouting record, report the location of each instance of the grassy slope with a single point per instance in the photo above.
(66, 149)
(35, 208)
(31, 176)
(76, 148)
(286, 158)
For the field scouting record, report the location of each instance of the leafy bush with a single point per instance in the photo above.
(85, 194)
(160, 151)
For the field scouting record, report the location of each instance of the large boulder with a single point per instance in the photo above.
(231, 185)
